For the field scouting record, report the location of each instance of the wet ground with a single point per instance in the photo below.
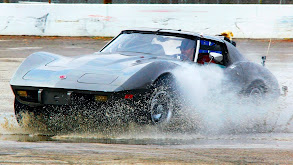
(147, 145)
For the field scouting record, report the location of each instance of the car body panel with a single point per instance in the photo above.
(122, 72)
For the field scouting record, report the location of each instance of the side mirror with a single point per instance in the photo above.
(217, 57)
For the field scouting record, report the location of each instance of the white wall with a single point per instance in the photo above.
(246, 21)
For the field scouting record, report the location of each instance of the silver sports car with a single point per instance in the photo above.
(135, 68)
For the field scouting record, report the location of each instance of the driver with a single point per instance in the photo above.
(187, 49)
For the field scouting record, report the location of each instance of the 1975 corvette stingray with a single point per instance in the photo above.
(135, 67)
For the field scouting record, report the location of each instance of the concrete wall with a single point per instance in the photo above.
(246, 21)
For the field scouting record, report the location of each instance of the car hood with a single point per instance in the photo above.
(101, 69)
(115, 62)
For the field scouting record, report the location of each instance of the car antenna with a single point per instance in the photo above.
(265, 57)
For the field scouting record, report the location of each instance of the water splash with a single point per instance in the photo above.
(208, 111)
(220, 111)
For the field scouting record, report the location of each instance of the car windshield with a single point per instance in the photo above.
(146, 43)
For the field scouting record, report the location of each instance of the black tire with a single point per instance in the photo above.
(19, 111)
(31, 118)
(162, 102)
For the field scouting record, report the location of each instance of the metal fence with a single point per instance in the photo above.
(155, 1)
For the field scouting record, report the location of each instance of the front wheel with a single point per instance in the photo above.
(162, 102)
(161, 106)
(21, 111)
(28, 117)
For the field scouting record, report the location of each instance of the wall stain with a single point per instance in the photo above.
(285, 23)
(103, 18)
(64, 21)
(41, 23)
(162, 21)
(93, 26)
(7, 23)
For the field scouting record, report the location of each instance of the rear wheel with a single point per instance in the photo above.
(256, 92)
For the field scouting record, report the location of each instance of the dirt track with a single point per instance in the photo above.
(21, 147)
(68, 153)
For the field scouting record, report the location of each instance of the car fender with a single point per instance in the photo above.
(33, 61)
(148, 74)
(253, 72)
(234, 77)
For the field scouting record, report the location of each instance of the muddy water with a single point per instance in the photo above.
(147, 144)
